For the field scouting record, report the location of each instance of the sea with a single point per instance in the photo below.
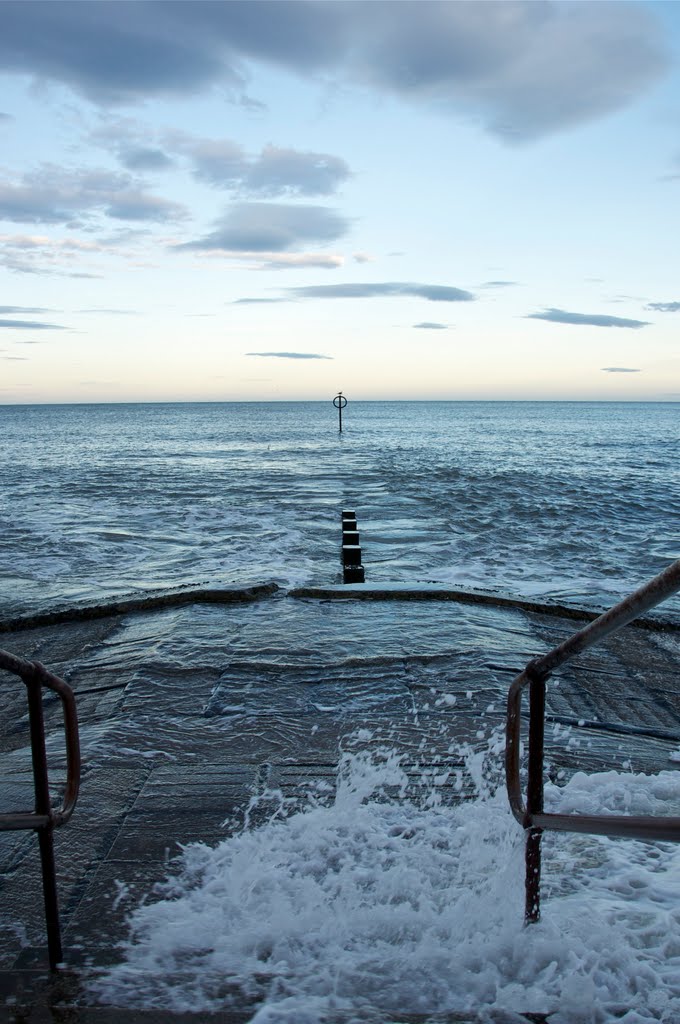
(575, 502)
(370, 903)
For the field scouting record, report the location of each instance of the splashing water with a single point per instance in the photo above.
(376, 902)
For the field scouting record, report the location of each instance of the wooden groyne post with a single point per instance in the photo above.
(352, 569)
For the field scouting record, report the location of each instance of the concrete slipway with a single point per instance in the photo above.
(190, 709)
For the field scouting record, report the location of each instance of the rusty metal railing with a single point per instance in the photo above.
(530, 814)
(44, 818)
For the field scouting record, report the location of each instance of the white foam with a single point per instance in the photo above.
(377, 902)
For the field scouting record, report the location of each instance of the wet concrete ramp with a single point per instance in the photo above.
(196, 720)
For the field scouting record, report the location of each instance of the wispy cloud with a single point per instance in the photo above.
(112, 312)
(295, 260)
(59, 195)
(275, 171)
(24, 309)
(30, 325)
(431, 292)
(499, 284)
(523, 69)
(41, 254)
(270, 228)
(561, 316)
(664, 307)
(288, 355)
(620, 369)
(428, 325)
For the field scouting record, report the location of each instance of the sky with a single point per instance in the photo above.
(266, 201)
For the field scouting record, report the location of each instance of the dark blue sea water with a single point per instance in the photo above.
(572, 501)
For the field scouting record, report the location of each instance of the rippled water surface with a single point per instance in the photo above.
(573, 501)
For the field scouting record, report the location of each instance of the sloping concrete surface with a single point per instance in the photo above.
(188, 713)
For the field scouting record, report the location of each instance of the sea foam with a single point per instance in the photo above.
(375, 903)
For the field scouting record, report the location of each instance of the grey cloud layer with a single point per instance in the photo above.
(23, 309)
(664, 307)
(428, 325)
(561, 316)
(270, 228)
(30, 325)
(526, 68)
(619, 369)
(432, 292)
(288, 355)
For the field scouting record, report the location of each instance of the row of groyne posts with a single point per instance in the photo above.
(352, 569)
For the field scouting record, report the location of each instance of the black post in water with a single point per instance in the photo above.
(340, 402)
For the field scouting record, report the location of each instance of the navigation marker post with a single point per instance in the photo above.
(340, 402)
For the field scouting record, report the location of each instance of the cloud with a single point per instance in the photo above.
(288, 355)
(5, 117)
(499, 284)
(144, 158)
(270, 228)
(112, 53)
(113, 312)
(14, 359)
(53, 195)
(24, 309)
(431, 292)
(561, 316)
(524, 69)
(283, 260)
(428, 325)
(30, 325)
(527, 69)
(40, 254)
(131, 142)
(134, 205)
(275, 171)
(255, 302)
(619, 369)
(664, 307)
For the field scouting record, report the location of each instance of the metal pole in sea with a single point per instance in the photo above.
(340, 402)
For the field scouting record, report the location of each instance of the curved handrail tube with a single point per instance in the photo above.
(68, 704)
(33, 673)
(619, 826)
(538, 671)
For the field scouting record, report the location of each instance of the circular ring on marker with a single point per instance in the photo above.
(339, 401)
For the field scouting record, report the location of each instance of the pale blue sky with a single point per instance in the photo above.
(430, 200)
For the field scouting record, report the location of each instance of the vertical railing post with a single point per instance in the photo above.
(45, 832)
(532, 854)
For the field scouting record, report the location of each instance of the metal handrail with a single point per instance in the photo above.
(44, 818)
(530, 813)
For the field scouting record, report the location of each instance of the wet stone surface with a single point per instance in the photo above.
(199, 721)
